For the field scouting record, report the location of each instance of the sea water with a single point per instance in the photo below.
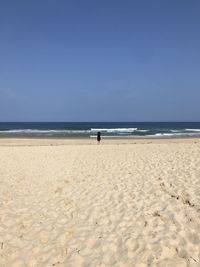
(108, 129)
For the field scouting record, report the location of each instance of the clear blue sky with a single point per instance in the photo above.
(99, 60)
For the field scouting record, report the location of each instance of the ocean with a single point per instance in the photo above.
(107, 129)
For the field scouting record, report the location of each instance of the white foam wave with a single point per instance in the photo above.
(176, 134)
(176, 131)
(165, 134)
(32, 131)
(193, 130)
(112, 130)
(143, 131)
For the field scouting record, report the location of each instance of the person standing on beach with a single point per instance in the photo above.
(98, 137)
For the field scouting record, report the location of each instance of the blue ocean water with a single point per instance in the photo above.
(108, 129)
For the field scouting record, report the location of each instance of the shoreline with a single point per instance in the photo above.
(92, 141)
(153, 137)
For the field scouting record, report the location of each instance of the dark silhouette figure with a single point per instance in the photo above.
(99, 137)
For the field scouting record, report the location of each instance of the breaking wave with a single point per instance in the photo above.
(88, 130)
(112, 130)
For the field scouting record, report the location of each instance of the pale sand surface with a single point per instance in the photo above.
(122, 203)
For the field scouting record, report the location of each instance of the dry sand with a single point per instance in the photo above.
(122, 203)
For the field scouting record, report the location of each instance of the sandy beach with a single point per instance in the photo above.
(122, 203)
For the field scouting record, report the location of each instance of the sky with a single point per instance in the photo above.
(99, 60)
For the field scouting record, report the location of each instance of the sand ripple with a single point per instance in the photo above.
(108, 205)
